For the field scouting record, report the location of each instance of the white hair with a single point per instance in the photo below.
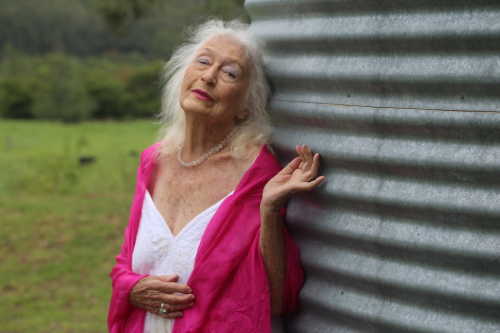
(255, 129)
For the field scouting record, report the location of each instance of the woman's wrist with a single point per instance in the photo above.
(270, 208)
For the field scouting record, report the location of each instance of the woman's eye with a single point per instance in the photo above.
(231, 73)
(203, 61)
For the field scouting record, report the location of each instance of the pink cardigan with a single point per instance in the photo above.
(229, 277)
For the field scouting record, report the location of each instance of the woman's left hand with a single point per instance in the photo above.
(301, 174)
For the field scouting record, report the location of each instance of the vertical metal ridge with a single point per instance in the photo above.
(402, 100)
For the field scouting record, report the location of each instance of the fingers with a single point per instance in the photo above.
(306, 156)
(176, 299)
(171, 312)
(290, 167)
(308, 186)
(304, 160)
(173, 315)
(313, 171)
(179, 307)
(173, 305)
(174, 287)
(165, 283)
(169, 285)
(315, 182)
(153, 291)
(300, 152)
(309, 168)
(310, 162)
(168, 278)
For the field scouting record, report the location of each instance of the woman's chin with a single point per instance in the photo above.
(196, 104)
(195, 107)
(196, 110)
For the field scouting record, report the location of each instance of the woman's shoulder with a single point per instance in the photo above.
(270, 158)
(265, 162)
(151, 150)
(150, 153)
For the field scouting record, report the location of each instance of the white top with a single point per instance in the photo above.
(158, 252)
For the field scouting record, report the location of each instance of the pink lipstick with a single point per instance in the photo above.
(202, 95)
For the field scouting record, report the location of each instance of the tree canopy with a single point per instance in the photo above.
(95, 27)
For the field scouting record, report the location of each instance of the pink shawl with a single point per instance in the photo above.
(229, 277)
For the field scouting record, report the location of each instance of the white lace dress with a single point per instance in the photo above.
(158, 252)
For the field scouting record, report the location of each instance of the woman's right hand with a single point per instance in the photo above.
(150, 292)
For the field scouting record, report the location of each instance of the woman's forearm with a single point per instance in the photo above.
(272, 247)
(297, 176)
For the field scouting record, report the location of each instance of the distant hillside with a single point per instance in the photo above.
(95, 27)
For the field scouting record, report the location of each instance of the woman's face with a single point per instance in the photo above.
(215, 83)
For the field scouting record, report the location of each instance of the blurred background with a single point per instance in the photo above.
(79, 91)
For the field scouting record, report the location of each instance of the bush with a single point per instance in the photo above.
(60, 92)
(60, 87)
(143, 91)
(108, 94)
(16, 96)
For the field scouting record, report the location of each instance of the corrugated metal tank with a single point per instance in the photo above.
(402, 100)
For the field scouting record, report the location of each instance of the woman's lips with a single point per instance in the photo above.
(202, 95)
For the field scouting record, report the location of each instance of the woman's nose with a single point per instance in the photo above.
(210, 75)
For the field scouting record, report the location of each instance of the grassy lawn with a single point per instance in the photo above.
(61, 223)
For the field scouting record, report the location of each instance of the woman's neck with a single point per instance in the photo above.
(201, 135)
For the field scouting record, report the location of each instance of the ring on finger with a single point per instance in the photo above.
(163, 309)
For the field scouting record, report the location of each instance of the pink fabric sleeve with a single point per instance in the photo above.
(123, 279)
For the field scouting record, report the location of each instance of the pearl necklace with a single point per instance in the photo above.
(214, 150)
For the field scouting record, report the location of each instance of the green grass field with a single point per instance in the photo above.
(61, 223)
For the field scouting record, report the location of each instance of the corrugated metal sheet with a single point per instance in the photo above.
(402, 99)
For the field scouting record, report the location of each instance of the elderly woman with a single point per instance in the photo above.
(206, 248)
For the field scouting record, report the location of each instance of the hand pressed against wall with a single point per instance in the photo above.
(301, 174)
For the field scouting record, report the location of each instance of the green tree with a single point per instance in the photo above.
(60, 93)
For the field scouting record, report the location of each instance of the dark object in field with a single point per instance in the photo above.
(85, 160)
